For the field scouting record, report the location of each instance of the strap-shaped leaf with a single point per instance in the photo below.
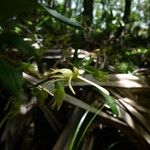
(10, 77)
(111, 102)
(62, 18)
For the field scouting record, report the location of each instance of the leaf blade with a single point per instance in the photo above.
(62, 18)
(10, 77)
(111, 103)
(15, 40)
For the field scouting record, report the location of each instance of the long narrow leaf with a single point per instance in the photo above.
(77, 131)
(111, 102)
(10, 77)
(15, 40)
(87, 126)
(62, 18)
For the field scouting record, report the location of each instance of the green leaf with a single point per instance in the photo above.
(10, 77)
(111, 102)
(77, 131)
(88, 125)
(62, 18)
(59, 94)
(29, 68)
(98, 74)
(10, 8)
(40, 94)
(15, 40)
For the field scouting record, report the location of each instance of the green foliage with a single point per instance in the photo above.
(10, 77)
(137, 51)
(8, 40)
(125, 67)
(62, 18)
(78, 130)
(111, 102)
(41, 27)
(40, 94)
(98, 74)
(30, 69)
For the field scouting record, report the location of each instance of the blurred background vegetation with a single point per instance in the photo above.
(108, 40)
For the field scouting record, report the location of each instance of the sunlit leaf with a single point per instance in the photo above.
(29, 68)
(62, 18)
(137, 115)
(111, 102)
(10, 77)
(98, 74)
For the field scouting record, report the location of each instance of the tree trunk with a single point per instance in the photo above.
(88, 12)
(127, 11)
